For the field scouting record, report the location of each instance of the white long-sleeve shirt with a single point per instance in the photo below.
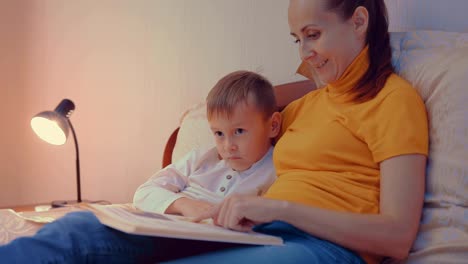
(202, 175)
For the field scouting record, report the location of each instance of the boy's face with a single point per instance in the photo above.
(244, 137)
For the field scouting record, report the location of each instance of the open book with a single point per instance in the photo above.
(134, 221)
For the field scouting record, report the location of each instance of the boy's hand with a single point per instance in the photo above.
(189, 207)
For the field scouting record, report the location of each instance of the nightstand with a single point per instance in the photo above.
(28, 207)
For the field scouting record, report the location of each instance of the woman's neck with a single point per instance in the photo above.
(341, 88)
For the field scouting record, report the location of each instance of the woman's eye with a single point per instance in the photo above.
(314, 35)
(240, 131)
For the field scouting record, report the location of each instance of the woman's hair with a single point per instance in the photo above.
(241, 87)
(377, 37)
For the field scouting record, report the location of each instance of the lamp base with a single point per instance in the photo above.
(64, 203)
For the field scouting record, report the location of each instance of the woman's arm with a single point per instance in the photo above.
(389, 233)
(288, 92)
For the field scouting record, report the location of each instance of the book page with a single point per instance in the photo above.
(135, 221)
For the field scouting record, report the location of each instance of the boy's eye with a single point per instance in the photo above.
(296, 40)
(239, 131)
(218, 133)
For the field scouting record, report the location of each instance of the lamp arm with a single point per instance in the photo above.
(78, 182)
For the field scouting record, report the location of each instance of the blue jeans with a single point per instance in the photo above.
(79, 237)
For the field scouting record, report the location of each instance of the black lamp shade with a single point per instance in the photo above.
(52, 126)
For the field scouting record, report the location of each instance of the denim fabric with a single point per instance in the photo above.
(299, 247)
(79, 237)
(76, 238)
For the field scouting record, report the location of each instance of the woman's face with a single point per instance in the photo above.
(327, 43)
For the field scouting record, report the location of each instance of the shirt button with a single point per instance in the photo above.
(222, 189)
(229, 177)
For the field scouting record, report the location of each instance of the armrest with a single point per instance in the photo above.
(167, 155)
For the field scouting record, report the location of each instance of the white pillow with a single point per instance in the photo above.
(194, 132)
(436, 63)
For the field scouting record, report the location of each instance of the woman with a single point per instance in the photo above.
(350, 158)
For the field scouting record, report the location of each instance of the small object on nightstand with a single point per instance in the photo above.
(42, 208)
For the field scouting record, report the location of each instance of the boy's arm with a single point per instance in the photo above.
(160, 191)
(189, 207)
(163, 188)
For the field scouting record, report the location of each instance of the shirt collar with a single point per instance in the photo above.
(257, 164)
(339, 89)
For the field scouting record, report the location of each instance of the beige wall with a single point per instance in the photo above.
(131, 67)
(12, 66)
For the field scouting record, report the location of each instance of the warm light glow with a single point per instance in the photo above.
(48, 130)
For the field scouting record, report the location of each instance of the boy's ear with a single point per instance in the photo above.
(275, 124)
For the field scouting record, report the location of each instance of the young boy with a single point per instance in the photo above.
(243, 117)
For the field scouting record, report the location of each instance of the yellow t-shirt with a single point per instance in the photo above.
(329, 151)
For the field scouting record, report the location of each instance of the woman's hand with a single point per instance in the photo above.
(189, 207)
(243, 212)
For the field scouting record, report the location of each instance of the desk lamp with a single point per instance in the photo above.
(52, 127)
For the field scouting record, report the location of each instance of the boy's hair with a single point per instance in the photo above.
(237, 87)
